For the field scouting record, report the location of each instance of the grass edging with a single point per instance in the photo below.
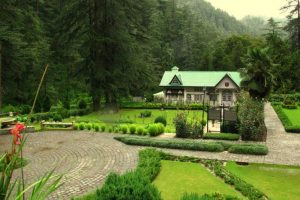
(252, 149)
(222, 136)
(288, 126)
(219, 170)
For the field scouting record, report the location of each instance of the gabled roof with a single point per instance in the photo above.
(199, 78)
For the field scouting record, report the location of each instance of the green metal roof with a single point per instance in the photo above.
(198, 78)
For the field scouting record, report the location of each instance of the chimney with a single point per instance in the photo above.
(175, 69)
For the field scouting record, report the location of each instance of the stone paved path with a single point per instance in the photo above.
(284, 148)
(84, 158)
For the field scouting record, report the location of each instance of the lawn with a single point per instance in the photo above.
(293, 115)
(277, 182)
(133, 116)
(177, 178)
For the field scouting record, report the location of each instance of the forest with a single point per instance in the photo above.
(110, 50)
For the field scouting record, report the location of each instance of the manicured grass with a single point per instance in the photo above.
(277, 182)
(126, 115)
(177, 178)
(293, 115)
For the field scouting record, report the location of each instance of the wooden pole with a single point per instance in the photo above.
(28, 120)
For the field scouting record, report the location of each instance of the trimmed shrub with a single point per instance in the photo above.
(290, 106)
(145, 131)
(103, 128)
(229, 127)
(221, 136)
(124, 129)
(161, 119)
(140, 130)
(110, 129)
(97, 128)
(160, 128)
(292, 129)
(76, 127)
(253, 149)
(153, 130)
(88, 126)
(57, 118)
(182, 128)
(131, 185)
(134, 185)
(132, 129)
(81, 126)
(173, 144)
(145, 114)
(196, 130)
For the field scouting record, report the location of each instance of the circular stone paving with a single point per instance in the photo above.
(84, 159)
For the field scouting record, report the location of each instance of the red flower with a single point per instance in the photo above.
(16, 133)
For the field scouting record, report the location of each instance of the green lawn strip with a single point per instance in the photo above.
(277, 182)
(177, 178)
(125, 116)
(186, 144)
(222, 136)
(290, 118)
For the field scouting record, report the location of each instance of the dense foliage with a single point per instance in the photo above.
(188, 129)
(251, 118)
(221, 136)
(134, 185)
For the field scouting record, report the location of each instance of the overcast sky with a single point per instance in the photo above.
(242, 8)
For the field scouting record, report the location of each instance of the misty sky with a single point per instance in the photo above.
(241, 8)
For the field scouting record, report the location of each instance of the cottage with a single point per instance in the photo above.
(214, 87)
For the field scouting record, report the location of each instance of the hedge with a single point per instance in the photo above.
(134, 185)
(253, 149)
(152, 105)
(288, 126)
(172, 144)
(222, 136)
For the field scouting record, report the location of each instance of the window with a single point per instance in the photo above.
(227, 84)
(197, 97)
(175, 81)
(189, 97)
(227, 96)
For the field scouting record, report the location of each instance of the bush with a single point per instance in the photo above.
(221, 136)
(251, 118)
(160, 128)
(134, 185)
(253, 149)
(145, 131)
(181, 125)
(131, 185)
(88, 126)
(76, 127)
(82, 104)
(103, 128)
(132, 129)
(173, 144)
(124, 129)
(25, 109)
(196, 130)
(161, 119)
(110, 129)
(97, 128)
(140, 130)
(81, 126)
(146, 114)
(292, 129)
(57, 118)
(153, 131)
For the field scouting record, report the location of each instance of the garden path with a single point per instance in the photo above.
(284, 148)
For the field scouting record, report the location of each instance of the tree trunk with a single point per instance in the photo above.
(0, 74)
